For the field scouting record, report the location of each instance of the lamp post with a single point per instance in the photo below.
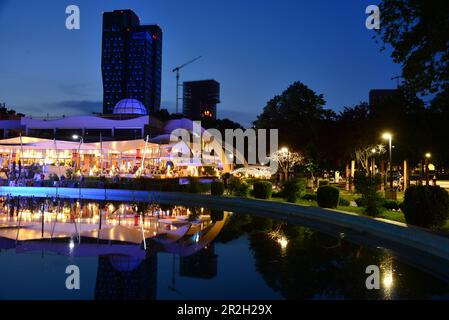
(427, 156)
(388, 136)
(373, 161)
(76, 137)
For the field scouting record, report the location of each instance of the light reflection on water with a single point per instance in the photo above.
(250, 258)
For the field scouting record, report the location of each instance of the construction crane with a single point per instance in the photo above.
(177, 78)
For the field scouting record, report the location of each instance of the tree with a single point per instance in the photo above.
(298, 114)
(286, 160)
(418, 32)
(363, 155)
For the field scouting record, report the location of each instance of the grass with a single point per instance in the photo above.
(391, 215)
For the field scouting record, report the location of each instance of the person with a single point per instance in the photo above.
(434, 180)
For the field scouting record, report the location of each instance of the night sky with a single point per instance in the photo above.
(254, 48)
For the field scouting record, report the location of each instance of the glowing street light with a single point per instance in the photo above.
(388, 136)
(428, 155)
(77, 137)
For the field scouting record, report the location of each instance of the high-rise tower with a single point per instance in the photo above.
(131, 60)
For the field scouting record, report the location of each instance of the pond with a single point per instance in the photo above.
(232, 256)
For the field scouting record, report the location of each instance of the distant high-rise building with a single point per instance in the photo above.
(200, 99)
(131, 61)
(382, 97)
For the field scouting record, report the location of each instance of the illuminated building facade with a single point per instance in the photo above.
(131, 61)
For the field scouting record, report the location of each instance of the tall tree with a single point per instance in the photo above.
(418, 32)
(298, 114)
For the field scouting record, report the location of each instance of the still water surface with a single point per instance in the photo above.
(250, 258)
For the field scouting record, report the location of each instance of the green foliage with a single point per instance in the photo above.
(328, 197)
(294, 113)
(217, 188)
(195, 186)
(368, 186)
(276, 194)
(263, 189)
(309, 197)
(242, 189)
(344, 202)
(391, 204)
(293, 189)
(426, 206)
(239, 188)
(418, 33)
(322, 183)
(360, 202)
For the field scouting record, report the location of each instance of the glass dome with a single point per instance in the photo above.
(130, 106)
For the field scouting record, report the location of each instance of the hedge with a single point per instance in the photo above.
(328, 197)
(426, 206)
(263, 190)
(293, 189)
(217, 188)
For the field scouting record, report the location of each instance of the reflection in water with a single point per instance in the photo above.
(239, 256)
(387, 274)
(202, 265)
(303, 264)
(122, 277)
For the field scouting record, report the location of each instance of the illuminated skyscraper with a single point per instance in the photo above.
(131, 61)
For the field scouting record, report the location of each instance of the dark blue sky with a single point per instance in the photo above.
(254, 48)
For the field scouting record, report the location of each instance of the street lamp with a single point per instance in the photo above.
(80, 138)
(388, 136)
(373, 164)
(427, 156)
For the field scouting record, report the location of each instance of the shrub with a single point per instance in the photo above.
(238, 187)
(327, 197)
(368, 186)
(309, 197)
(322, 183)
(263, 189)
(391, 205)
(293, 189)
(233, 184)
(242, 189)
(276, 194)
(217, 188)
(344, 202)
(360, 202)
(426, 206)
